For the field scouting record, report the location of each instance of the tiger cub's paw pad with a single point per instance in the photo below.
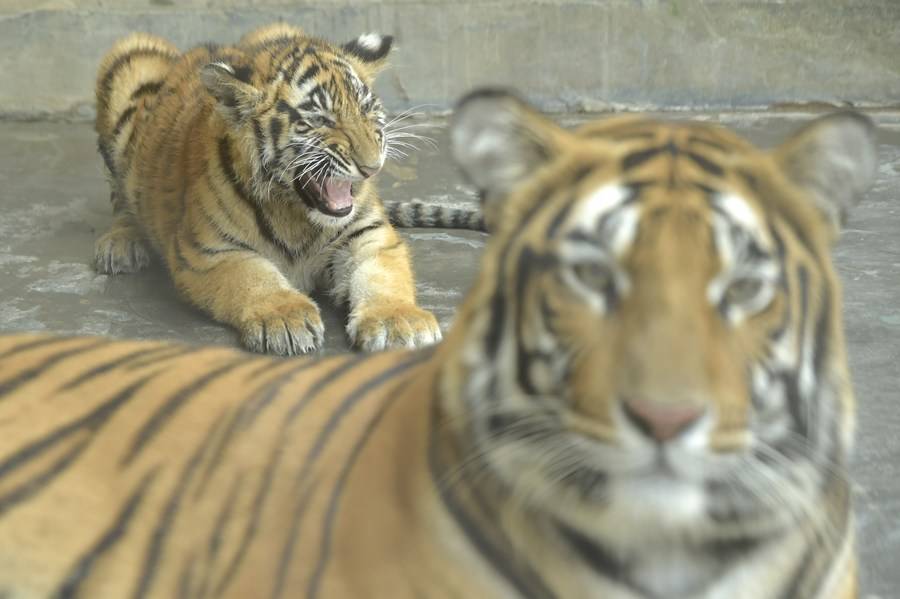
(120, 251)
(393, 326)
(287, 323)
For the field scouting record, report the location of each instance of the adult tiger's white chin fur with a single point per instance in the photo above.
(657, 502)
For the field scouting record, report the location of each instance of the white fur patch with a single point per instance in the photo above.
(303, 91)
(370, 41)
(623, 229)
(606, 198)
(739, 210)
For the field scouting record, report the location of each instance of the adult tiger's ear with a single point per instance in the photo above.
(231, 87)
(498, 140)
(371, 49)
(833, 159)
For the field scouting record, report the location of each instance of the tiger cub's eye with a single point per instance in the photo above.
(318, 120)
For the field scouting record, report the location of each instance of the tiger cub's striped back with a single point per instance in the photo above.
(130, 76)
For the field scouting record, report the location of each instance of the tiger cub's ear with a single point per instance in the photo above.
(231, 87)
(498, 140)
(371, 49)
(833, 159)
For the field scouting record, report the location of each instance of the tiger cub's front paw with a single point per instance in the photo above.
(286, 323)
(120, 250)
(374, 328)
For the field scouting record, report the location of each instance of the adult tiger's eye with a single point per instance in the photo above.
(594, 276)
(743, 290)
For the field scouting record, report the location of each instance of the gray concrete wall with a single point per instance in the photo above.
(563, 54)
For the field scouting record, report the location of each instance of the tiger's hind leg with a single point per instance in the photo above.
(122, 249)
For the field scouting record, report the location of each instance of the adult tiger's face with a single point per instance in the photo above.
(309, 107)
(655, 339)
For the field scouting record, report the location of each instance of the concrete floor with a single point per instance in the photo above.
(54, 203)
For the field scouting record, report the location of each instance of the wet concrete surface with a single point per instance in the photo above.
(54, 203)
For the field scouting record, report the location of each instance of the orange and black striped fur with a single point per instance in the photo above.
(644, 395)
(249, 170)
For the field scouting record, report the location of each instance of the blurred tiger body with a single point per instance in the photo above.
(156, 470)
(644, 395)
(249, 170)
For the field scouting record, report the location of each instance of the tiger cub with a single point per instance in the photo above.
(250, 170)
(644, 395)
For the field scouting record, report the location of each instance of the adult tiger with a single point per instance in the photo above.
(249, 169)
(645, 394)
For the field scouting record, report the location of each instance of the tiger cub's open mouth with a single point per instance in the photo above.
(332, 196)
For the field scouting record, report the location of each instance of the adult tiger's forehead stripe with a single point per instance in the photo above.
(743, 227)
(637, 158)
(562, 214)
(703, 140)
(602, 205)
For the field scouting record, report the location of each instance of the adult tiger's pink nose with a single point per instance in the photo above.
(660, 421)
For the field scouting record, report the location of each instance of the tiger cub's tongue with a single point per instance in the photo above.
(337, 194)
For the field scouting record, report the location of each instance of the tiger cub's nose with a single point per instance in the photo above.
(369, 170)
(660, 421)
